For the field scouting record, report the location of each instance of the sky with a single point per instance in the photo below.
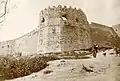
(23, 15)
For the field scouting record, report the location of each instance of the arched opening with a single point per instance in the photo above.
(64, 17)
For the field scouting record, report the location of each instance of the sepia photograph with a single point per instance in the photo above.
(59, 40)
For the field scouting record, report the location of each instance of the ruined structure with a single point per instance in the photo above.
(60, 29)
(63, 29)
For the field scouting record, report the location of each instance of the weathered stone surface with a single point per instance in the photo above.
(26, 44)
(63, 29)
(104, 36)
(7, 47)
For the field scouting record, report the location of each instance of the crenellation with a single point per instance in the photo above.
(70, 7)
(45, 9)
(65, 8)
(49, 8)
(75, 9)
(79, 10)
(59, 7)
(54, 6)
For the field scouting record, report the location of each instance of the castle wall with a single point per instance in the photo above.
(27, 44)
(7, 47)
(104, 36)
(75, 38)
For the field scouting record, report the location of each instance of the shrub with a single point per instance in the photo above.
(10, 67)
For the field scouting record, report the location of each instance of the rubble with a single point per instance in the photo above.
(87, 69)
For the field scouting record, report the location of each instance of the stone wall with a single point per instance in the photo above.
(104, 36)
(27, 44)
(7, 47)
(63, 29)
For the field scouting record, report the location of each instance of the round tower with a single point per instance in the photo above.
(63, 29)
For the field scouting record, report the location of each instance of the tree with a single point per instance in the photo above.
(2, 16)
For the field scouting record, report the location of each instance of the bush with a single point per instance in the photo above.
(10, 67)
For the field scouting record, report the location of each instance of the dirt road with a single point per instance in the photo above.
(104, 69)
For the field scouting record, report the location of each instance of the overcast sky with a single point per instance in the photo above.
(23, 14)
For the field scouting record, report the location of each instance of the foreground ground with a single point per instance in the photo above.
(104, 69)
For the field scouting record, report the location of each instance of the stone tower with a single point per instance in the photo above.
(63, 29)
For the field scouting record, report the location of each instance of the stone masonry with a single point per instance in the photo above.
(63, 29)
(104, 35)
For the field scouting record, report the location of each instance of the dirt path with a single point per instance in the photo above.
(104, 69)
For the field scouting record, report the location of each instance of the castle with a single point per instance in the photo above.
(60, 29)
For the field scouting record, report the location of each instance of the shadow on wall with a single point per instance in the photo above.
(104, 36)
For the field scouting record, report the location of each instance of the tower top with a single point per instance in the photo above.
(60, 7)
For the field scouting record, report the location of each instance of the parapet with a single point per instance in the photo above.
(62, 8)
(97, 24)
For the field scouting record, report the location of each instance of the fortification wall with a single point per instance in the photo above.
(27, 44)
(63, 29)
(104, 36)
(7, 47)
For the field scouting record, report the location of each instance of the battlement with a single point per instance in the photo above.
(62, 15)
(99, 25)
(60, 7)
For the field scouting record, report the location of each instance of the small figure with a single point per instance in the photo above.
(95, 50)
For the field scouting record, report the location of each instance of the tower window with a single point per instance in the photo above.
(43, 20)
(64, 17)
